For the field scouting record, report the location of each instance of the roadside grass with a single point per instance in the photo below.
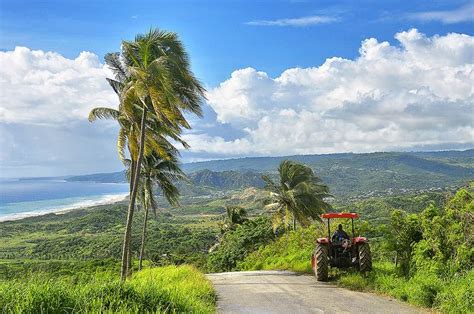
(168, 289)
(424, 289)
(289, 252)
(293, 252)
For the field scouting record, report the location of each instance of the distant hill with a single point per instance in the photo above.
(346, 174)
(202, 178)
(111, 177)
(271, 163)
(226, 179)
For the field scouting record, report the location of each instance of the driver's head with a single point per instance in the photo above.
(339, 227)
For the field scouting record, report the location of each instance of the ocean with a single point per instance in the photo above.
(21, 198)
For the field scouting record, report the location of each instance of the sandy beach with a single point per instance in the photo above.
(103, 200)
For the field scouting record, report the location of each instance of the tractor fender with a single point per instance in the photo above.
(323, 240)
(360, 240)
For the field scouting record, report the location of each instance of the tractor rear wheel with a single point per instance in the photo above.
(365, 257)
(320, 262)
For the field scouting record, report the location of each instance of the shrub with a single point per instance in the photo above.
(458, 295)
(237, 244)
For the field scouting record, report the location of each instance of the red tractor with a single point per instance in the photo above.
(340, 250)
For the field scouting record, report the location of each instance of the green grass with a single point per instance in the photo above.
(424, 289)
(291, 251)
(170, 289)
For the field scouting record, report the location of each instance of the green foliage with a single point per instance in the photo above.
(291, 251)
(434, 248)
(169, 289)
(405, 231)
(378, 210)
(75, 270)
(235, 215)
(458, 295)
(96, 233)
(237, 244)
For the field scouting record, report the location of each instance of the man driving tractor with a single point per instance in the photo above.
(340, 234)
(340, 250)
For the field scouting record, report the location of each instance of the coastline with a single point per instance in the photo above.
(62, 209)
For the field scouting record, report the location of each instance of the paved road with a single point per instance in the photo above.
(288, 292)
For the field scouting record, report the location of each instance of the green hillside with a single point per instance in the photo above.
(348, 175)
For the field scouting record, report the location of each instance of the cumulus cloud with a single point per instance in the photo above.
(300, 21)
(44, 87)
(44, 102)
(459, 15)
(415, 94)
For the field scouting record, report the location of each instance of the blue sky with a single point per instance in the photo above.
(222, 37)
(215, 32)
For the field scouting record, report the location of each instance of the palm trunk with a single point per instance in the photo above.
(132, 175)
(126, 254)
(142, 248)
(129, 253)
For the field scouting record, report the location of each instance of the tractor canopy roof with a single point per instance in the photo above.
(340, 215)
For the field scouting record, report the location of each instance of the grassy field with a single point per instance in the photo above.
(169, 289)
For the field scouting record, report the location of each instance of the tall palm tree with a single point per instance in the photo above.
(164, 174)
(129, 119)
(155, 87)
(299, 196)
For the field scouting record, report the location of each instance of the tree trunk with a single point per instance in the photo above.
(132, 175)
(294, 223)
(129, 252)
(142, 248)
(126, 254)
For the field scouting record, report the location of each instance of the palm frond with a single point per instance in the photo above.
(103, 113)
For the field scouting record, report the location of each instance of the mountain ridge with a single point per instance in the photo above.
(347, 174)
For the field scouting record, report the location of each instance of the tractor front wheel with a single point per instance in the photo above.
(365, 257)
(320, 262)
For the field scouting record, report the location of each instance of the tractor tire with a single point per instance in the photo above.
(365, 257)
(320, 262)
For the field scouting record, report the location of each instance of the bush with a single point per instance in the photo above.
(458, 295)
(237, 244)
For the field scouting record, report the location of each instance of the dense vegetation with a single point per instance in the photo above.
(425, 258)
(95, 233)
(168, 289)
(236, 244)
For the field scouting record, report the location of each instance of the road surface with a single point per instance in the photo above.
(288, 292)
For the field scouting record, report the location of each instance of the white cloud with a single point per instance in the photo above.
(46, 88)
(417, 94)
(459, 15)
(300, 21)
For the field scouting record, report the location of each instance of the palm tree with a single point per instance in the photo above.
(299, 196)
(155, 87)
(235, 215)
(129, 120)
(165, 174)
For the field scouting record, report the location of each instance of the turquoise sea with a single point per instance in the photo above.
(31, 197)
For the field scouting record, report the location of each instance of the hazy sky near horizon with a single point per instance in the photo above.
(283, 77)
